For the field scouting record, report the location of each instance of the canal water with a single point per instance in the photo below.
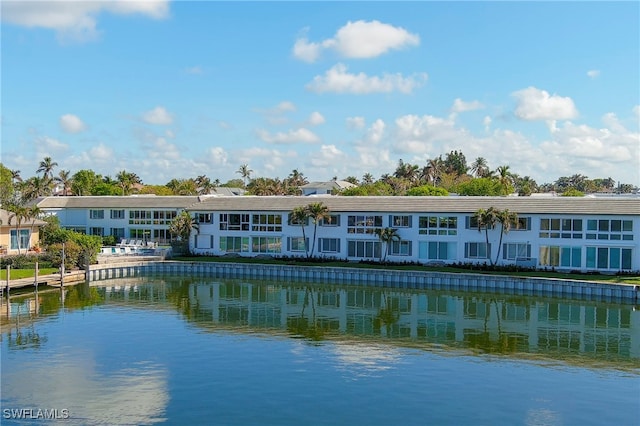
(209, 351)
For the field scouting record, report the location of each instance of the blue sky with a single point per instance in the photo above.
(181, 89)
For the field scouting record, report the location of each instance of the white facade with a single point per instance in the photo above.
(582, 234)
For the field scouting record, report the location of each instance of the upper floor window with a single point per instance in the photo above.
(267, 222)
(204, 218)
(363, 224)
(117, 214)
(96, 214)
(332, 220)
(438, 225)
(397, 221)
(234, 222)
(606, 229)
(560, 228)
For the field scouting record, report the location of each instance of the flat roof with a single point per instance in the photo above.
(448, 204)
(113, 202)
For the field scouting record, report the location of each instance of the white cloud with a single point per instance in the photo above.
(327, 157)
(276, 114)
(536, 104)
(72, 123)
(162, 149)
(158, 115)
(194, 70)
(636, 112)
(101, 153)
(76, 20)
(375, 133)
(487, 123)
(292, 136)
(593, 74)
(419, 135)
(338, 80)
(217, 156)
(461, 106)
(359, 39)
(355, 123)
(48, 147)
(315, 119)
(273, 161)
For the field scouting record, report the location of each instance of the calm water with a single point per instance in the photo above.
(237, 352)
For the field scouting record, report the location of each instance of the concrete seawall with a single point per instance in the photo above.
(584, 290)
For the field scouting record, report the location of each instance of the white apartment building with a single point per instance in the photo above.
(564, 233)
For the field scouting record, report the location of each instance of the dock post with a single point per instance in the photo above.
(62, 268)
(35, 280)
(8, 278)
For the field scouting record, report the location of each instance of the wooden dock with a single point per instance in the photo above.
(51, 280)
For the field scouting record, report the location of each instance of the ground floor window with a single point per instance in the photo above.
(161, 235)
(366, 249)
(94, 230)
(563, 256)
(297, 244)
(400, 248)
(516, 251)
(204, 241)
(20, 239)
(266, 244)
(234, 244)
(477, 250)
(609, 258)
(140, 234)
(117, 232)
(329, 245)
(437, 250)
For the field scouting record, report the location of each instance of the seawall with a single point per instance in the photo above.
(583, 290)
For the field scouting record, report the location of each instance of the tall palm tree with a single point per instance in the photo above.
(300, 216)
(64, 179)
(480, 167)
(317, 212)
(386, 236)
(367, 178)
(46, 168)
(506, 219)
(15, 176)
(18, 214)
(245, 172)
(504, 177)
(487, 219)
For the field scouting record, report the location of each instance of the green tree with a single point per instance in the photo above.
(572, 192)
(300, 216)
(487, 219)
(7, 188)
(84, 181)
(427, 190)
(18, 214)
(506, 219)
(317, 212)
(245, 172)
(480, 167)
(386, 237)
(480, 187)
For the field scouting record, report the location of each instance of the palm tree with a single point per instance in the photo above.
(18, 213)
(300, 216)
(15, 176)
(317, 212)
(367, 178)
(64, 179)
(480, 167)
(245, 172)
(487, 219)
(46, 167)
(504, 177)
(386, 236)
(125, 181)
(33, 188)
(506, 220)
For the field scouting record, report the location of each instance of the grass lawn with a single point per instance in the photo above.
(627, 279)
(26, 273)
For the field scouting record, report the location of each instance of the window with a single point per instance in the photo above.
(117, 232)
(333, 220)
(329, 245)
(234, 244)
(96, 231)
(471, 222)
(292, 221)
(267, 222)
(234, 222)
(365, 249)
(204, 218)
(476, 250)
(605, 229)
(23, 237)
(516, 251)
(438, 225)
(117, 214)
(363, 224)
(296, 244)
(521, 224)
(161, 235)
(163, 217)
(400, 248)
(437, 250)
(96, 214)
(140, 217)
(562, 256)
(140, 234)
(266, 244)
(400, 221)
(549, 228)
(609, 258)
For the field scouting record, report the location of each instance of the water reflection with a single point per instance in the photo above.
(432, 319)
